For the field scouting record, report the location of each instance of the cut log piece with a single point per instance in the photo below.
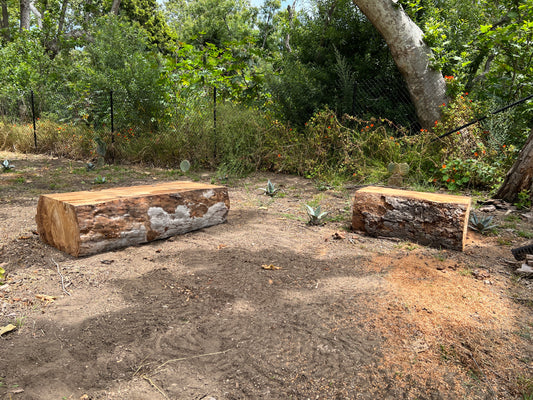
(83, 223)
(431, 219)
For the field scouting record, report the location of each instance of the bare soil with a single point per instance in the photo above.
(197, 317)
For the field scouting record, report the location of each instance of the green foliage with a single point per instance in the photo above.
(315, 215)
(185, 165)
(524, 200)
(7, 166)
(270, 189)
(472, 157)
(481, 224)
(99, 180)
(2, 274)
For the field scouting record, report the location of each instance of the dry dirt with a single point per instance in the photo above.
(196, 317)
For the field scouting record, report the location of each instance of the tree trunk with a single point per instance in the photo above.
(115, 7)
(24, 15)
(411, 55)
(520, 176)
(37, 14)
(4, 22)
(430, 219)
(83, 223)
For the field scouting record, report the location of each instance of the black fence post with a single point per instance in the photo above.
(112, 117)
(33, 117)
(215, 122)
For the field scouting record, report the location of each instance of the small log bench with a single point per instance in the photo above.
(432, 219)
(83, 223)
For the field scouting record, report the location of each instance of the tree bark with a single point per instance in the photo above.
(520, 176)
(411, 55)
(37, 14)
(115, 7)
(24, 15)
(431, 219)
(83, 223)
(4, 22)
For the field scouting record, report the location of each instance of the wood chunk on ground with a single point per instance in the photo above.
(83, 223)
(437, 220)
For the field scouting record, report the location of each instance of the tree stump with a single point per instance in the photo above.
(83, 223)
(431, 219)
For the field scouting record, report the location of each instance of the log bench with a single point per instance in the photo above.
(437, 220)
(83, 223)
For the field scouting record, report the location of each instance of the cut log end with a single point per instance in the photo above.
(436, 220)
(83, 223)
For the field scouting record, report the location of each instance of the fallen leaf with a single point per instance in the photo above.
(270, 267)
(7, 328)
(221, 246)
(45, 298)
(24, 237)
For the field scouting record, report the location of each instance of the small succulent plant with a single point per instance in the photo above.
(270, 190)
(315, 215)
(90, 166)
(481, 224)
(185, 165)
(99, 180)
(7, 166)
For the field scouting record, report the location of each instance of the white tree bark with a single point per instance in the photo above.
(37, 14)
(405, 40)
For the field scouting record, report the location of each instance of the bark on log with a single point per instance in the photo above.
(83, 223)
(431, 219)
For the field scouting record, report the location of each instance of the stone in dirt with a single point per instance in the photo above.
(437, 220)
(83, 223)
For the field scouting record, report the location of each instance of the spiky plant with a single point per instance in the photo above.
(481, 224)
(315, 215)
(270, 190)
(7, 166)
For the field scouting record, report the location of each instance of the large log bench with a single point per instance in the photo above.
(83, 223)
(432, 219)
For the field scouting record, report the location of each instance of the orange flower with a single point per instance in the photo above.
(329, 127)
(443, 166)
(279, 155)
(371, 125)
(504, 146)
(475, 154)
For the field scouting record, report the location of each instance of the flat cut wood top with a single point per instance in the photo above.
(87, 197)
(435, 197)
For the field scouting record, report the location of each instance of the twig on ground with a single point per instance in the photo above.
(155, 386)
(62, 279)
(189, 358)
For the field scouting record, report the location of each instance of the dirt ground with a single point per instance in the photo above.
(197, 317)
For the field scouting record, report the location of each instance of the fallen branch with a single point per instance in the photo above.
(62, 279)
(155, 386)
(189, 358)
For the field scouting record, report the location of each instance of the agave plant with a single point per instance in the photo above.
(481, 224)
(7, 166)
(270, 190)
(315, 215)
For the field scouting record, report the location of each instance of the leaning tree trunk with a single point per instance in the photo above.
(411, 55)
(520, 176)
